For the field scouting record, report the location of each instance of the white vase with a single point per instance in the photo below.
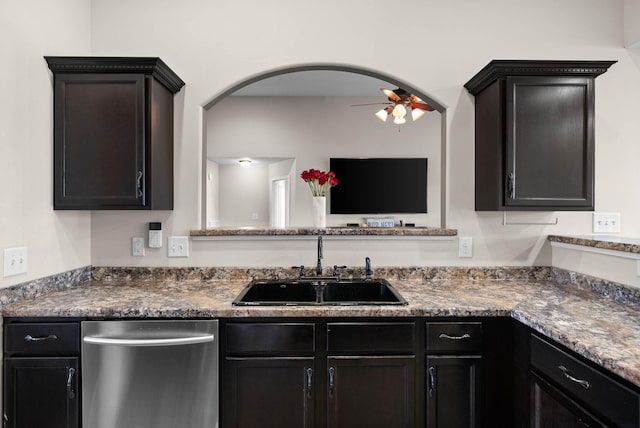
(320, 211)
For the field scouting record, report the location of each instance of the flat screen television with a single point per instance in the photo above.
(379, 185)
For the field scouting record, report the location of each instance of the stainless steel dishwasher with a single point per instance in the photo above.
(150, 374)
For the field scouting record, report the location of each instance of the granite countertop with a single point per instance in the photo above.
(598, 328)
(605, 242)
(327, 231)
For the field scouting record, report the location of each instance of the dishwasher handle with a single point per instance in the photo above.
(174, 341)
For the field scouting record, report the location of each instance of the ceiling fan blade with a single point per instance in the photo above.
(421, 106)
(370, 104)
(390, 94)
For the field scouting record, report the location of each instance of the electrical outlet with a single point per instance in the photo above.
(178, 246)
(15, 261)
(137, 246)
(606, 222)
(465, 247)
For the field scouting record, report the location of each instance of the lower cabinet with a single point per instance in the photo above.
(41, 392)
(320, 374)
(550, 408)
(371, 391)
(453, 391)
(41, 375)
(270, 393)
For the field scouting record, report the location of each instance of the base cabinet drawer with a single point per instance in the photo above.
(599, 393)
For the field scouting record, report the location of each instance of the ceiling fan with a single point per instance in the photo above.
(400, 103)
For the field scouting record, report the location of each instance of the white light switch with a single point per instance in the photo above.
(178, 246)
(606, 222)
(15, 261)
(137, 246)
(465, 247)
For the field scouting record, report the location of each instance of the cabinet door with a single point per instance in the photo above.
(453, 391)
(41, 392)
(549, 142)
(269, 393)
(550, 408)
(371, 392)
(99, 141)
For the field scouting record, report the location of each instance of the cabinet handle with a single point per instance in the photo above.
(70, 392)
(583, 383)
(432, 380)
(512, 185)
(309, 381)
(30, 338)
(446, 336)
(332, 374)
(139, 180)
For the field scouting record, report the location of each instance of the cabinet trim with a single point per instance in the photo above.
(499, 69)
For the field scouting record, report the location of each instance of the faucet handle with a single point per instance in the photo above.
(301, 268)
(337, 269)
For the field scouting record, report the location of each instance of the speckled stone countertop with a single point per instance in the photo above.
(599, 328)
(616, 243)
(328, 231)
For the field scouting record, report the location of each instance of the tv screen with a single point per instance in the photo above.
(379, 186)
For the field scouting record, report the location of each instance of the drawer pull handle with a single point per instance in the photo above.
(30, 338)
(583, 383)
(446, 336)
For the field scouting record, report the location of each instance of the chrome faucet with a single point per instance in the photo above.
(319, 264)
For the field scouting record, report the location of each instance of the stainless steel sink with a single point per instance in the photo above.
(319, 292)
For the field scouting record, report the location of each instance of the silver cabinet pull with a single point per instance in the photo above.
(30, 338)
(583, 383)
(512, 185)
(309, 381)
(174, 341)
(446, 336)
(139, 180)
(70, 392)
(432, 380)
(332, 373)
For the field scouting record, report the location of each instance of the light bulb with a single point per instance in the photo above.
(417, 113)
(399, 111)
(382, 115)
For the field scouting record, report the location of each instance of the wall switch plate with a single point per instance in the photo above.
(465, 247)
(137, 246)
(178, 246)
(606, 222)
(15, 261)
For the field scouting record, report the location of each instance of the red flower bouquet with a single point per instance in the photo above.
(319, 181)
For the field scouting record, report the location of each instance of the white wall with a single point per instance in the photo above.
(213, 45)
(632, 23)
(57, 241)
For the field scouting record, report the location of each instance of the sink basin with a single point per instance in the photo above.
(367, 292)
(277, 293)
(319, 292)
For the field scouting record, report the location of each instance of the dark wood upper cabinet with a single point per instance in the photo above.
(113, 133)
(534, 132)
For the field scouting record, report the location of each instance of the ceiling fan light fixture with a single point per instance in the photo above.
(399, 120)
(416, 113)
(382, 115)
(399, 111)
